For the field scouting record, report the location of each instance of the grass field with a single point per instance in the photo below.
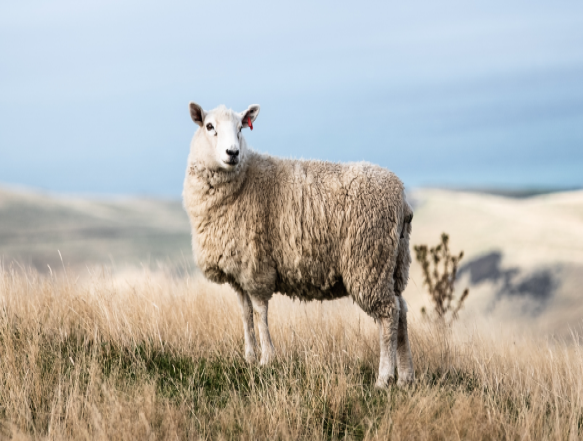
(152, 356)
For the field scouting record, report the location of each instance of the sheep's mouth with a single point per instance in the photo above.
(231, 161)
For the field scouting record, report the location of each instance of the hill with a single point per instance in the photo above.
(148, 354)
(35, 226)
(523, 256)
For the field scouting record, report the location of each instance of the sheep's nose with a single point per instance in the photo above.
(233, 153)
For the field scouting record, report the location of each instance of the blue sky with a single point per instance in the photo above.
(94, 94)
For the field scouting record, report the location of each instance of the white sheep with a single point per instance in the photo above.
(313, 230)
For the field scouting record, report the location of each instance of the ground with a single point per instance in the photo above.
(155, 356)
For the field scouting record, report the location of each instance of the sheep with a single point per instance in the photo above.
(312, 230)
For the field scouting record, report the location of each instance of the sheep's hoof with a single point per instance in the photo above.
(250, 356)
(384, 382)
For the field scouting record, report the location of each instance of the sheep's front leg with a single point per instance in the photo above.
(247, 310)
(267, 350)
(404, 358)
(388, 328)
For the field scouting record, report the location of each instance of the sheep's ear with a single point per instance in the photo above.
(196, 113)
(251, 113)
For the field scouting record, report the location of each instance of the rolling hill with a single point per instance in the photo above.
(35, 227)
(523, 256)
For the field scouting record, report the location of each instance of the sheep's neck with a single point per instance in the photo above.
(218, 179)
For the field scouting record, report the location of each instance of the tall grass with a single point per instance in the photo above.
(151, 356)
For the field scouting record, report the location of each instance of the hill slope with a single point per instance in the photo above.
(35, 226)
(523, 257)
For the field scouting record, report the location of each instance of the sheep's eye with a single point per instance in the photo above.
(209, 127)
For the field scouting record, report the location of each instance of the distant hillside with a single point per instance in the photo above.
(34, 226)
(523, 257)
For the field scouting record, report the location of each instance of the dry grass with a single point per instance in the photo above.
(151, 356)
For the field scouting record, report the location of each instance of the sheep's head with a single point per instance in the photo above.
(219, 143)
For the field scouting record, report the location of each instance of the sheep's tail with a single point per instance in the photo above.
(401, 275)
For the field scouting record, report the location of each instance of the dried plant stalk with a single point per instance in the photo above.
(439, 275)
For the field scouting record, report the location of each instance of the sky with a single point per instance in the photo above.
(483, 94)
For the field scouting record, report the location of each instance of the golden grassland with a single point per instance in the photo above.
(151, 356)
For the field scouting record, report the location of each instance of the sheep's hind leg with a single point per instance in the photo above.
(388, 328)
(404, 358)
(247, 310)
(267, 350)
